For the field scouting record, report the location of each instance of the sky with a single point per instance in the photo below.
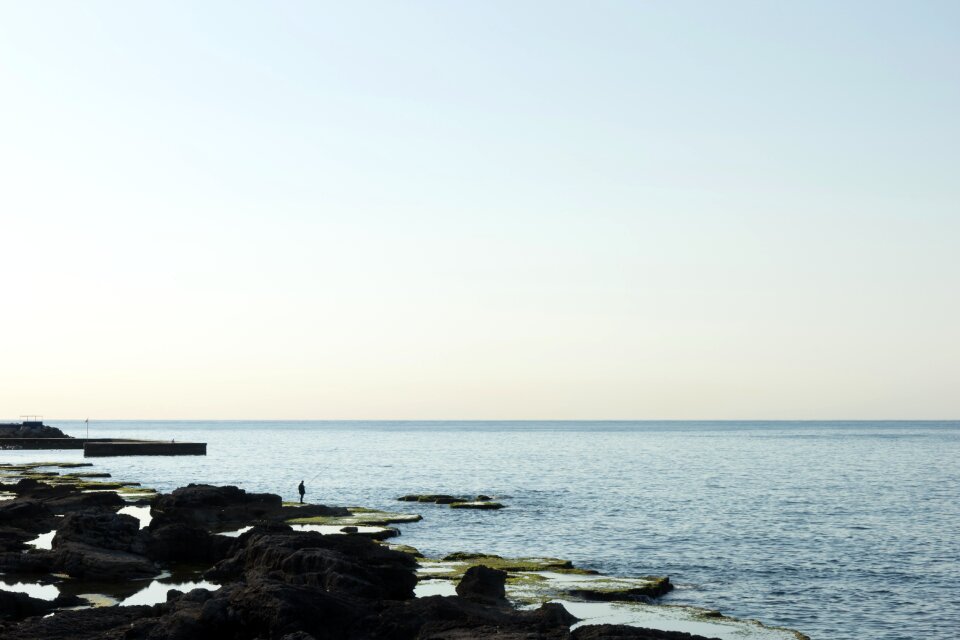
(486, 210)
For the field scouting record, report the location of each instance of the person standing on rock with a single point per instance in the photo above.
(302, 490)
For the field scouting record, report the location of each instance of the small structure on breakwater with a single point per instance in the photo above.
(36, 435)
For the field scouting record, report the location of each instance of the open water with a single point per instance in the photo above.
(839, 529)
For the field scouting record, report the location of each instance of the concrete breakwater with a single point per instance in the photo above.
(36, 436)
(102, 447)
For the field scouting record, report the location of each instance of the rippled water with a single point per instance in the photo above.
(841, 530)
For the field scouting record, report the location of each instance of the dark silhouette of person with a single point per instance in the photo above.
(302, 491)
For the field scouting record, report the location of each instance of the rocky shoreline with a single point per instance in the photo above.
(273, 570)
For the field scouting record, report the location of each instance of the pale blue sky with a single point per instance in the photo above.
(480, 210)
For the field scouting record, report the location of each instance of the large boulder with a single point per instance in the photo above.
(103, 529)
(101, 545)
(102, 565)
(483, 584)
(346, 564)
(214, 508)
(179, 542)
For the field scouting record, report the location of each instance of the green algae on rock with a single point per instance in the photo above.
(482, 506)
(84, 481)
(622, 589)
(459, 562)
(405, 548)
(359, 516)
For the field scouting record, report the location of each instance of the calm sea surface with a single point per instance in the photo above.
(838, 529)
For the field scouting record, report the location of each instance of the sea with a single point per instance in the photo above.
(841, 530)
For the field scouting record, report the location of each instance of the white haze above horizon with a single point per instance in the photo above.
(496, 210)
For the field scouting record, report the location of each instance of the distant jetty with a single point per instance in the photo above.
(36, 435)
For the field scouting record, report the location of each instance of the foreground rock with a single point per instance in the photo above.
(280, 583)
(277, 583)
(17, 606)
(483, 584)
(22, 520)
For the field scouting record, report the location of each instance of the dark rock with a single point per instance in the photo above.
(22, 519)
(483, 506)
(17, 606)
(101, 545)
(103, 529)
(179, 542)
(447, 618)
(384, 533)
(102, 623)
(25, 514)
(63, 498)
(656, 588)
(483, 498)
(270, 609)
(288, 512)
(214, 508)
(80, 501)
(34, 562)
(483, 584)
(623, 632)
(348, 564)
(30, 430)
(278, 584)
(102, 565)
(436, 498)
